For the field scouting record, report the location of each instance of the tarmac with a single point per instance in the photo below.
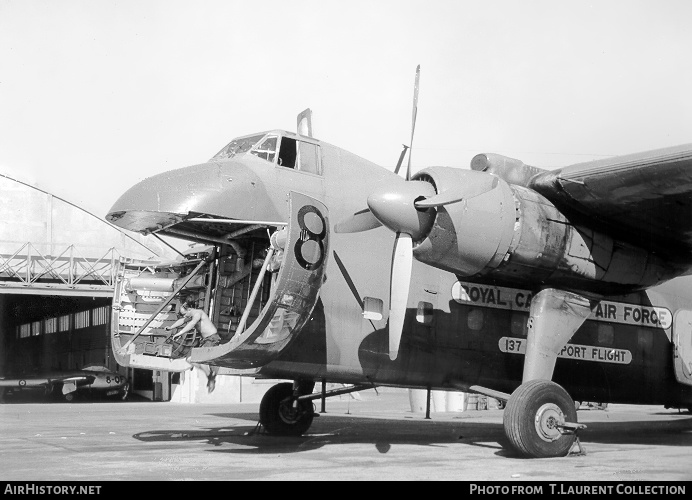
(376, 438)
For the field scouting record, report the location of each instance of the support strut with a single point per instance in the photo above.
(334, 392)
(555, 316)
(255, 289)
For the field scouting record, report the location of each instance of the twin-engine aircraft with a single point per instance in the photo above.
(93, 381)
(536, 287)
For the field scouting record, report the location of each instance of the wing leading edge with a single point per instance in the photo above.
(644, 199)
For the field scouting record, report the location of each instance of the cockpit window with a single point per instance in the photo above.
(237, 146)
(267, 148)
(278, 149)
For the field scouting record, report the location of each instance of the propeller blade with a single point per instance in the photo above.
(401, 159)
(466, 192)
(363, 220)
(400, 283)
(413, 124)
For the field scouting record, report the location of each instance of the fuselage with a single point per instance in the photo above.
(457, 333)
(99, 382)
(478, 338)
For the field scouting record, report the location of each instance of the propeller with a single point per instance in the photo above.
(363, 220)
(401, 159)
(394, 207)
(413, 120)
(408, 209)
(393, 202)
(402, 261)
(402, 264)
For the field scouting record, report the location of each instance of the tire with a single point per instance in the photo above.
(278, 415)
(70, 397)
(530, 417)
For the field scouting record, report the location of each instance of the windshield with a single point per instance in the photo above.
(237, 146)
(267, 148)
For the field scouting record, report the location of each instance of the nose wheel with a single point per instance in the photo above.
(540, 420)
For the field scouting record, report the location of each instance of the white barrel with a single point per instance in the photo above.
(438, 401)
(418, 399)
(456, 401)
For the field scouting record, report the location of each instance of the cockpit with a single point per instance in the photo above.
(278, 147)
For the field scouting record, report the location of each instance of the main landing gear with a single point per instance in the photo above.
(287, 409)
(282, 414)
(540, 420)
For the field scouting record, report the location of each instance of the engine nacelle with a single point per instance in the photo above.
(509, 169)
(512, 234)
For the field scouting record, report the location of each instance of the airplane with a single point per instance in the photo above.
(536, 287)
(91, 381)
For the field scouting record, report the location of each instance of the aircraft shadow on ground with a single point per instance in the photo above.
(674, 432)
(325, 431)
(384, 433)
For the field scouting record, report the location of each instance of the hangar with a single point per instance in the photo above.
(57, 271)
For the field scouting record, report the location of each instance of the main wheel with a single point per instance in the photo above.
(281, 416)
(532, 416)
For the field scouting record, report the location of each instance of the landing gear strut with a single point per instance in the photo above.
(540, 420)
(287, 409)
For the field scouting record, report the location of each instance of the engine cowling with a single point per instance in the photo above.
(512, 234)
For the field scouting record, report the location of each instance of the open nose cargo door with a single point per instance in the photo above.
(147, 296)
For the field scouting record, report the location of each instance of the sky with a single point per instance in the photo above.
(96, 95)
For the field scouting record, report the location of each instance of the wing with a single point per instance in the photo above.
(79, 380)
(71, 384)
(644, 199)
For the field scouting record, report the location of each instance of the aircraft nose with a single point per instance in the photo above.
(229, 189)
